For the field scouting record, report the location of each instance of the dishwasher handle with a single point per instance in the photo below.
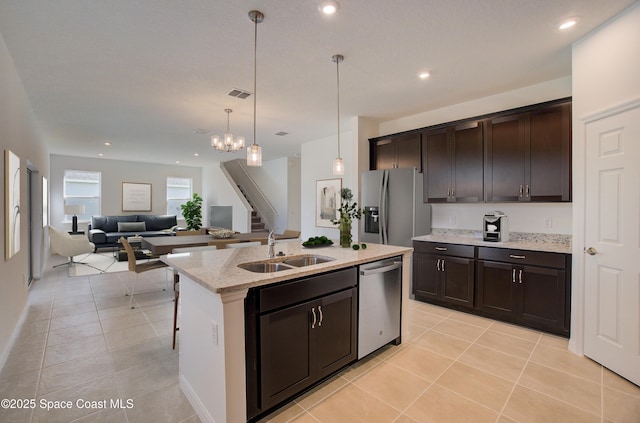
(381, 269)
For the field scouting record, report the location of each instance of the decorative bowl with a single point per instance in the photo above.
(221, 233)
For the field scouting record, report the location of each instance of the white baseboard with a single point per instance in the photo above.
(193, 398)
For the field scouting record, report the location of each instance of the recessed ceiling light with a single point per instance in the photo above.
(424, 75)
(107, 143)
(568, 23)
(177, 161)
(329, 7)
(100, 154)
(196, 154)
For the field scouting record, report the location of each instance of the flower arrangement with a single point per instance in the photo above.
(349, 211)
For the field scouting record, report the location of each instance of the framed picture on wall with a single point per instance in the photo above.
(12, 204)
(136, 197)
(327, 201)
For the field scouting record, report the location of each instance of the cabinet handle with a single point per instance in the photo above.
(527, 190)
(443, 265)
(520, 191)
(438, 265)
(313, 311)
(320, 311)
(441, 249)
(517, 257)
(513, 276)
(520, 276)
(453, 192)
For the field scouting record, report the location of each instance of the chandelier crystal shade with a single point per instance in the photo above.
(254, 151)
(338, 165)
(227, 143)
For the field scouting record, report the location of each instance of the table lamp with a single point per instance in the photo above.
(75, 210)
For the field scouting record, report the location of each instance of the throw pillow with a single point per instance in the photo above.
(131, 227)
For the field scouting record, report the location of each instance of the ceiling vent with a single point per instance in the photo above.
(238, 93)
(201, 131)
(282, 133)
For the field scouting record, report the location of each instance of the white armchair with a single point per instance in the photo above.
(66, 245)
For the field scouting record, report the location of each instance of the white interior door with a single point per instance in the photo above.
(612, 239)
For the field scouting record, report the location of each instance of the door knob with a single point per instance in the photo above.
(591, 251)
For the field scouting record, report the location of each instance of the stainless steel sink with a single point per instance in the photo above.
(264, 267)
(307, 260)
(286, 263)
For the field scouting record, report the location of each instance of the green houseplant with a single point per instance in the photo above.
(348, 212)
(192, 212)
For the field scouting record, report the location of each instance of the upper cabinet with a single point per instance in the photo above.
(453, 163)
(396, 152)
(528, 155)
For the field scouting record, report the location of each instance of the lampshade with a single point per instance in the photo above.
(254, 151)
(73, 209)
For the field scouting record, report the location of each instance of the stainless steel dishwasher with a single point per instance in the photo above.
(379, 296)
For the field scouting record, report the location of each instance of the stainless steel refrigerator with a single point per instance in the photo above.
(395, 209)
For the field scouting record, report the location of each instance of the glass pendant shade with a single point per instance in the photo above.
(338, 166)
(254, 155)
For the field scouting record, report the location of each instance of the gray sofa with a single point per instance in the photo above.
(105, 231)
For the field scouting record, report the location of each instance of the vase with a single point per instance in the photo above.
(345, 233)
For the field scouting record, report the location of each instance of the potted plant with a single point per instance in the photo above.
(192, 212)
(348, 212)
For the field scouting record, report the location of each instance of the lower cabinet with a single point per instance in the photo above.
(303, 331)
(444, 273)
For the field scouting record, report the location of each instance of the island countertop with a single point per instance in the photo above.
(218, 271)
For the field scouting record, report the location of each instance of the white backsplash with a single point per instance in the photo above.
(548, 218)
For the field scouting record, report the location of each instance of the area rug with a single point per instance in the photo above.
(96, 263)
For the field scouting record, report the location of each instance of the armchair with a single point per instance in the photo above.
(66, 245)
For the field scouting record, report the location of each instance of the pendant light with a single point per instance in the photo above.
(227, 143)
(338, 166)
(254, 151)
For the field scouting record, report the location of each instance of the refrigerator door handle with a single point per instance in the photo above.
(384, 215)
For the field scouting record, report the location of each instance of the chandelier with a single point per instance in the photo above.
(227, 143)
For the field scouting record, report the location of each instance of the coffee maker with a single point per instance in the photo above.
(495, 227)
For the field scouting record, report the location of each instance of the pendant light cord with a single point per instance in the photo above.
(255, 73)
(338, 60)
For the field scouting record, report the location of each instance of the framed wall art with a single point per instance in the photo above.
(12, 204)
(136, 197)
(327, 201)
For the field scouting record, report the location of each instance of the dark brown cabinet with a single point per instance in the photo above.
(530, 288)
(303, 331)
(396, 152)
(453, 164)
(528, 155)
(444, 273)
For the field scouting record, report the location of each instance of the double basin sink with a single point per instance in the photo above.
(285, 263)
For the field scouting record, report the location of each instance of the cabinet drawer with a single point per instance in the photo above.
(535, 258)
(444, 249)
(293, 292)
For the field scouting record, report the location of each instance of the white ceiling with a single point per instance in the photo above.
(145, 74)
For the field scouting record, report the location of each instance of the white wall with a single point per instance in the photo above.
(114, 172)
(273, 180)
(19, 132)
(218, 191)
(606, 74)
(293, 191)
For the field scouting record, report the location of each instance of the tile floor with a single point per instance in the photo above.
(80, 340)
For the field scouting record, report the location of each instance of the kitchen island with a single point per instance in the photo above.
(212, 324)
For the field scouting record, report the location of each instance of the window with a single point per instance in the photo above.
(82, 188)
(178, 193)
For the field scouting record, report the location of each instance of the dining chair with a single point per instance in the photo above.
(262, 240)
(244, 244)
(136, 267)
(291, 234)
(222, 243)
(176, 284)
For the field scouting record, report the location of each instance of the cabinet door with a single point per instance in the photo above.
(408, 151)
(542, 303)
(426, 273)
(285, 351)
(468, 170)
(504, 160)
(437, 167)
(335, 332)
(497, 289)
(550, 154)
(385, 154)
(458, 280)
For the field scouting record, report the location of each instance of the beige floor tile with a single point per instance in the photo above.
(404, 419)
(423, 318)
(439, 405)
(530, 335)
(573, 390)
(72, 350)
(459, 330)
(396, 387)
(62, 300)
(121, 323)
(554, 341)
(421, 362)
(617, 382)
(147, 377)
(131, 336)
(141, 353)
(22, 385)
(442, 344)
(164, 327)
(481, 387)
(430, 308)
(566, 361)
(320, 392)
(74, 333)
(305, 418)
(494, 362)
(158, 312)
(22, 362)
(71, 320)
(620, 407)
(352, 404)
(124, 310)
(527, 406)
(358, 368)
(73, 372)
(412, 332)
(284, 414)
(471, 319)
(77, 308)
(104, 416)
(167, 404)
(506, 344)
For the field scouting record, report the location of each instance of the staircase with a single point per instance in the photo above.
(257, 225)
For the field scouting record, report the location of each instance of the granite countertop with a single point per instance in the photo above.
(218, 271)
(553, 243)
